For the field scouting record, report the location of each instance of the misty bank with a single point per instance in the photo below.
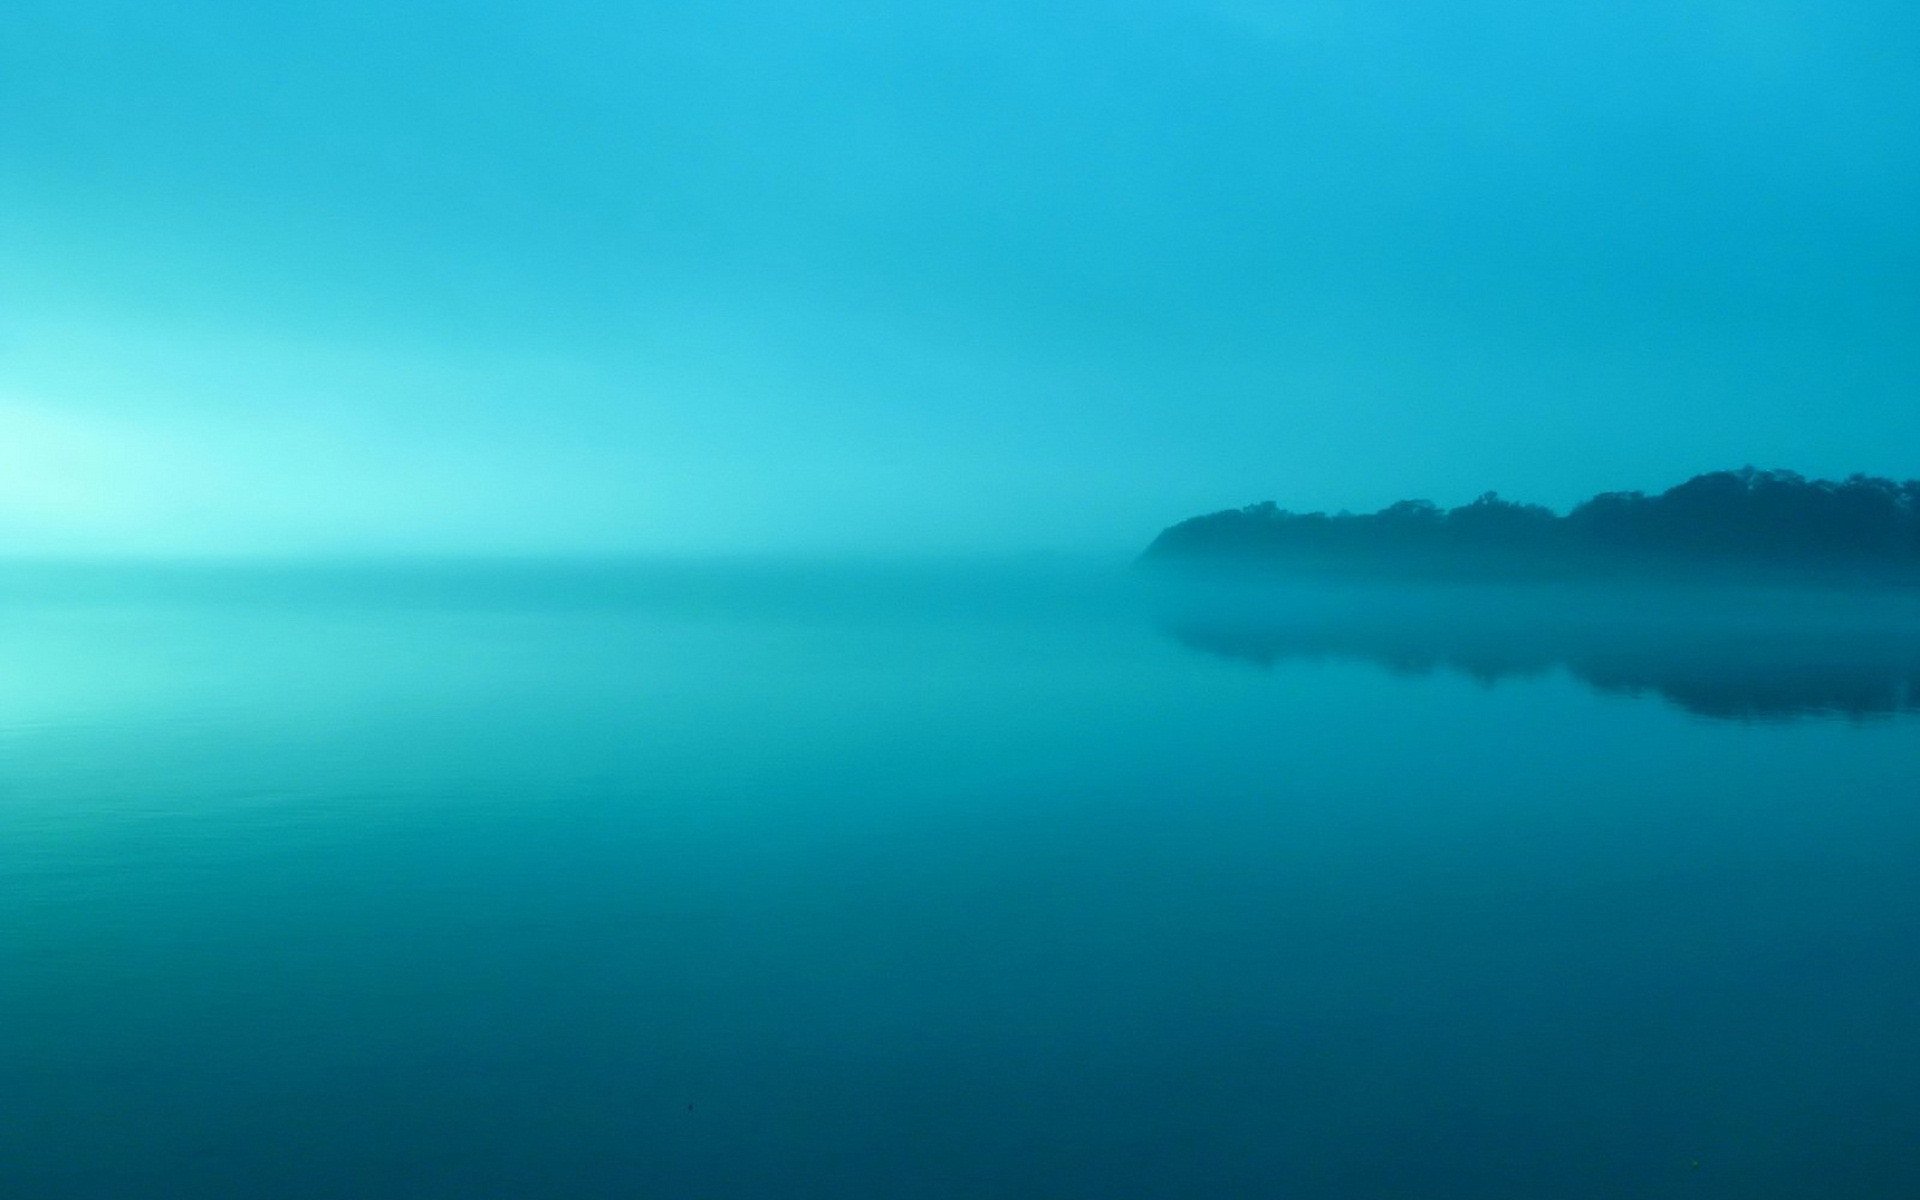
(1761, 526)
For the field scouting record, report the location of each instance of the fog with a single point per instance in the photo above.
(842, 278)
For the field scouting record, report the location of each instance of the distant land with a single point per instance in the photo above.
(1773, 526)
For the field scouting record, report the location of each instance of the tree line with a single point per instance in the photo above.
(1746, 522)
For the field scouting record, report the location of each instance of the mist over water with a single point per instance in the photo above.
(782, 880)
(379, 822)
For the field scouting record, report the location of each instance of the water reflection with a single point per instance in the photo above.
(1729, 654)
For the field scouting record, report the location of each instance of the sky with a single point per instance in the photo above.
(845, 277)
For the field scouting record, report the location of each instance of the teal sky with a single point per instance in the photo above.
(840, 276)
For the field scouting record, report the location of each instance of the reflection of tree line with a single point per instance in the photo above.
(1718, 654)
(1729, 523)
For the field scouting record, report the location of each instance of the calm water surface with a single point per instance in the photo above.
(779, 883)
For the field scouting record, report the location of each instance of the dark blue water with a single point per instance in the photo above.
(771, 883)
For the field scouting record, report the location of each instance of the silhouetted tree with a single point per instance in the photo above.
(1746, 522)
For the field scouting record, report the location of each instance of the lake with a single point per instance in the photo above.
(1010, 881)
